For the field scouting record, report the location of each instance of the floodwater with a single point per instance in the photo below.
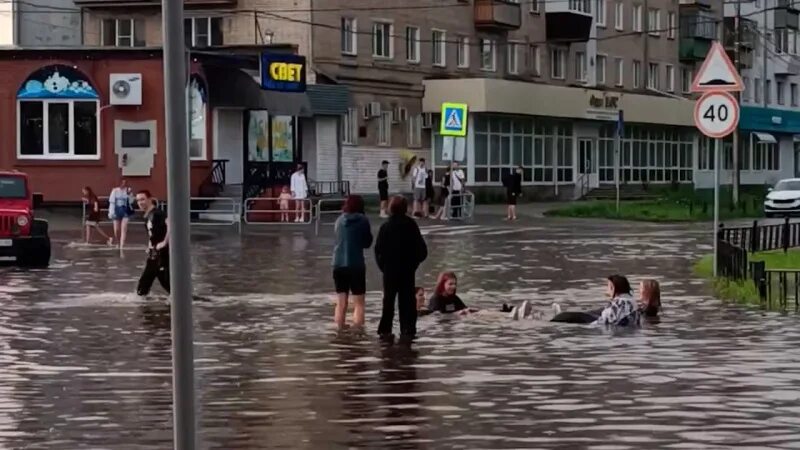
(86, 364)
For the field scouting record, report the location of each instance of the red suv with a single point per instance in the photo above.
(23, 238)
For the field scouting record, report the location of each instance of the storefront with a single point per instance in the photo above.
(563, 136)
(769, 141)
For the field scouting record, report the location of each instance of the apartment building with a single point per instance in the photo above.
(39, 23)
(769, 126)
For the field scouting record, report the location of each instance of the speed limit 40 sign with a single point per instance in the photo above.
(716, 114)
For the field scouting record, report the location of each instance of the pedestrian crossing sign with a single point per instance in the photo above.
(454, 119)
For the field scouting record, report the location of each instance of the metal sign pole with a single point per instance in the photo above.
(177, 138)
(618, 153)
(716, 201)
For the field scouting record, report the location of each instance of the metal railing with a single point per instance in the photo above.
(759, 238)
(329, 188)
(324, 209)
(215, 211)
(462, 209)
(104, 209)
(253, 214)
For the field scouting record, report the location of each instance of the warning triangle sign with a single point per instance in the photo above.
(453, 120)
(717, 73)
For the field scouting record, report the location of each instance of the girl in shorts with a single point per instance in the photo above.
(120, 210)
(353, 236)
(93, 216)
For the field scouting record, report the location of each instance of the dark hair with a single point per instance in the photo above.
(89, 191)
(384, 162)
(418, 288)
(145, 192)
(353, 204)
(398, 206)
(621, 284)
(422, 160)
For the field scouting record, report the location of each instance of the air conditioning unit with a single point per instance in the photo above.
(427, 121)
(126, 89)
(372, 109)
(399, 115)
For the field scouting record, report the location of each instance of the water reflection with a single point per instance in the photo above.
(87, 365)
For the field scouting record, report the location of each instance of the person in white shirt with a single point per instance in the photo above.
(456, 186)
(420, 175)
(299, 189)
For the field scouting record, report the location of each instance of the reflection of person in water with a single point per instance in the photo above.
(445, 300)
(400, 386)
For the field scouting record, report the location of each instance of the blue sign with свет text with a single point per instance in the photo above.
(283, 72)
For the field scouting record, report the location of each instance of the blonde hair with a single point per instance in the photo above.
(651, 294)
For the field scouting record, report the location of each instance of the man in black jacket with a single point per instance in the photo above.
(399, 250)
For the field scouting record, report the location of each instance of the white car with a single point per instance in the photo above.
(783, 199)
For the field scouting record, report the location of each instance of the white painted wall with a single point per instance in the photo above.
(6, 23)
(229, 142)
(327, 148)
(361, 164)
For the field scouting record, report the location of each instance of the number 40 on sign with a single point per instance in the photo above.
(716, 114)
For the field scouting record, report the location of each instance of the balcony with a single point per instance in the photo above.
(568, 20)
(785, 65)
(152, 3)
(693, 49)
(497, 15)
(790, 5)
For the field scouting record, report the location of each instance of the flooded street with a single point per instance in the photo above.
(86, 363)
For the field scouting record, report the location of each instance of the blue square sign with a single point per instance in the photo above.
(454, 119)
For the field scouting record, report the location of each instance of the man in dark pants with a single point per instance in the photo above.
(157, 265)
(383, 187)
(399, 250)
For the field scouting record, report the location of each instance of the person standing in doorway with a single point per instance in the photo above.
(353, 236)
(157, 265)
(383, 188)
(120, 211)
(299, 188)
(457, 185)
(420, 175)
(513, 192)
(399, 250)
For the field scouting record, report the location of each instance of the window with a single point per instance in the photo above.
(600, 66)
(535, 61)
(637, 74)
(686, 79)
(786, 41)
(654, 22)
(415, 131)
(745, 94)
(534, 6)
(385, 128)
(382, 40)
(583, 6)
(122, 33)
(58, 129)
(757, 90)
(439, 41)
(670, 78)
(793, 94)
(512, 57)
(487, 55)
(462, 52)
(658, 154)
(558, 62)
(197, 119)
(636, 18)
(672, 20)
(600, 12)
(619, 16)
(350, 127)
(412, 44)
(768, 92)
(620, 63)
(349, 33)
(652, 76)
(202, 31)
(580, 66)
(780, 95)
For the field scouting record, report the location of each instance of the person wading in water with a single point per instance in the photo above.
(157, 265)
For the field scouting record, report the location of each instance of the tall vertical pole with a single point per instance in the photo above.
(716, 200)
(618, 155)
(178, 203)
(737, 64)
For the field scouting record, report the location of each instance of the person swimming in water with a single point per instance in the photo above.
(650, 300)
(422, 308)
(444, 299)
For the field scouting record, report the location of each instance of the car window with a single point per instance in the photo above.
(788, 185)
(12, 187)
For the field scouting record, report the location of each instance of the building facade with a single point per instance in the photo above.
(52, 23)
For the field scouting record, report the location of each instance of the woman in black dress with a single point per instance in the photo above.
(513, 191)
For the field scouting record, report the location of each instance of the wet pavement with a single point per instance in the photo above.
(86, 364)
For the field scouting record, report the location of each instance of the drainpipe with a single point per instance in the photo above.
(764, 77)
(646, 46)
(17, 22)
(737, 63)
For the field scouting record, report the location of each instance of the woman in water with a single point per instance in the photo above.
(650, 299)
(120, 210)
(422, 309)
(444, 298)
(353, 235)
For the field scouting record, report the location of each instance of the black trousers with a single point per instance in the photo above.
(455, 204)
(400, 287)
(156, 267)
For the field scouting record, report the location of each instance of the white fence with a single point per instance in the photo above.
(258, 207)
(104, 209)
(321, 212)
(215, 211)
(463, 209)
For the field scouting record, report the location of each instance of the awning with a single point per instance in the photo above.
(233, 88)
(765, 137)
